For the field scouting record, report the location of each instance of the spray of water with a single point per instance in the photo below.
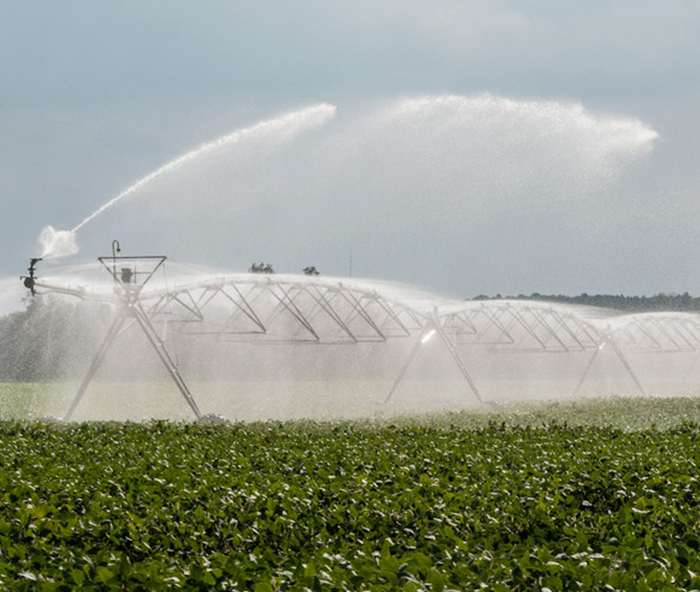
(57, 243)
(61, 243)
(505, 142)
(446, 158)
(521, 122)
(460, 169)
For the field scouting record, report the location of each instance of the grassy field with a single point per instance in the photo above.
(280, 400)
(600, 494)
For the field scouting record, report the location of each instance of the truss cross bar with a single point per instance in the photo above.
(586, 331)
(559, 320)
(628, 334)
(512, 321)
(165, 302)
(538, 319)
(327, 305)
(415, 317)
(539, 315)
(288, 302)
(686, 331)
(668, 330)
(496, 322)
(520, 318)
(460, 323)
(245, 307)
(192, 307)
(471, 318)
(207, 295)
(681, 329)
(645, 331)
(360, 311)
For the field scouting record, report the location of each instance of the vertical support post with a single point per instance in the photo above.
(435, 325)
(158, 345)
(399, 378)
(690, 369)
(627, 366)
(608, 340)
(458, 361)
(96, 362)
(587, 370)
(165, 357)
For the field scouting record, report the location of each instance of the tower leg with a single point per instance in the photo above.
(586, 371)
(96, 362)
(622, 359)
(450, 348)
(165, 357)
(459, 362)
(399, 378)
(627, 366)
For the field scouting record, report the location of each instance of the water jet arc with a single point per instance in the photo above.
(286, 125)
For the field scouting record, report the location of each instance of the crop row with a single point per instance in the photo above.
(342, 506)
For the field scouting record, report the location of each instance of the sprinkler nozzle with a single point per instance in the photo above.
(30, 280)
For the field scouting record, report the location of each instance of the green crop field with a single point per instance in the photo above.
(579, 496)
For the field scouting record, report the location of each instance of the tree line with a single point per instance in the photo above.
(658, 303)
(39, 342)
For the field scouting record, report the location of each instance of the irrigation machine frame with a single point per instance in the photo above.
(126, 271)
(334, 310)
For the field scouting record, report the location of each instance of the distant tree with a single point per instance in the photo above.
(261, 268)
(42, 341)
(311, 270)
(660, 302)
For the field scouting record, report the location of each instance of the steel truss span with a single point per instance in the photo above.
(485, 342)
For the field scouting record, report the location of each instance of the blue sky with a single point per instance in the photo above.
(476, 147)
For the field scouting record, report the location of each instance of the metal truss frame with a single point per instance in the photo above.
(125, 272)
(284, 309)
(530, 327)
(262, 308)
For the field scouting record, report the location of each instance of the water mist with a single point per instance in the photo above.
(413, 179)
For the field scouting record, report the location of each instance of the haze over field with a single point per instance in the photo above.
(468, 148)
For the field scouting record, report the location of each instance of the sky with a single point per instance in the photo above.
(463, 147)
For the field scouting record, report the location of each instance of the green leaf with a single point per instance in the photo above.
(78, 576)
(104, 574)
(437, 581)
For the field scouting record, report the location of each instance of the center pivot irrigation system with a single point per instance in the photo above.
(294, 309)
(131, 274)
